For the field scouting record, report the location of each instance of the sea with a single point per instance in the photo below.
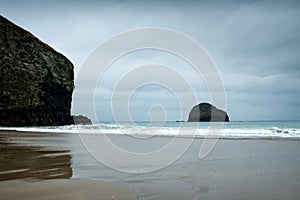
(227, 130)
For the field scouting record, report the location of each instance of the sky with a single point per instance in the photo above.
(255, 46)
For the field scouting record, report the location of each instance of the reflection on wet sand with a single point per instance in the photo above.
(28, 155)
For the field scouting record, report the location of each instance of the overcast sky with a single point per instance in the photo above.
(254, 44)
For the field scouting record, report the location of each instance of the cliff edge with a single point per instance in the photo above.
(36, 82)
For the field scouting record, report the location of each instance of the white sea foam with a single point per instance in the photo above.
(249, 130)
(117, 129)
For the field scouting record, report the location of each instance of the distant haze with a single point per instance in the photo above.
(255, 45)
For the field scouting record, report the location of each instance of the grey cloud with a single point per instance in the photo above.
(255, 45)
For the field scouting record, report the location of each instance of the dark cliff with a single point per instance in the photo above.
(205, 112)
(36, 82)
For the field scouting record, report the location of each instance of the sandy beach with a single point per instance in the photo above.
(57, 166)
(63, 189)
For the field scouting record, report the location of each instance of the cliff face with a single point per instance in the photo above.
(36, 82)
(205, 112)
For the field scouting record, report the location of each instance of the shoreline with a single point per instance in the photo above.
(95, 132)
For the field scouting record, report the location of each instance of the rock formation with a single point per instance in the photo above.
(205, 112)
(36, 82)
(80, 119)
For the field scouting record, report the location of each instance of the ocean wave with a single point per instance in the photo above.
(226, 132)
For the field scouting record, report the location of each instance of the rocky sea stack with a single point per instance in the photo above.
(36, 82)
(205, 112)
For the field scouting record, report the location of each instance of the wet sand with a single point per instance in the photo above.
(63, 189)
(57, 166)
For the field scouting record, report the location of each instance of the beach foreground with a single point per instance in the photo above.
(63, 189)
(57, 166)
